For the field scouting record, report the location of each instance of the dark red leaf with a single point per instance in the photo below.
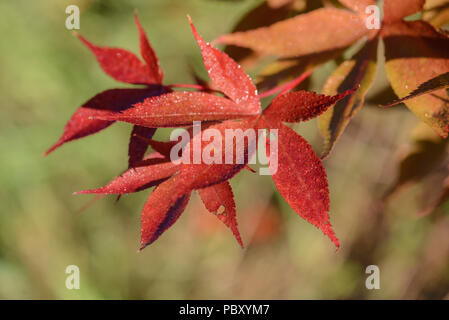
(163, 207)
(149, 55)
(164, 147)
(108, 102)
(227, 76)
(161, 147)
(138, 146)
(301, 179)
(179, 109)
(301, 105)
(168, 200)
(219, 200)
(121, 64)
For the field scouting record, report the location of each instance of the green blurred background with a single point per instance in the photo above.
(47, 73)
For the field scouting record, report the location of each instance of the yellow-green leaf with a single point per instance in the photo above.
(360, 70)
(415, 53)
(434, 84)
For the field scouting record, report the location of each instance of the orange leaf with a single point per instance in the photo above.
(396, 10)
(298, 36)
(415, 53)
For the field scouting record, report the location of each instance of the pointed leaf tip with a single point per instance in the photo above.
(227, 76)
(221, 195)
(148, 54)
(86, 120)
(137, 178)
(120, 64)
(302, 105)
(162, 209)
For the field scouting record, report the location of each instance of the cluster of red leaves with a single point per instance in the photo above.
(415, 52)
(300, 178)
(123, 66)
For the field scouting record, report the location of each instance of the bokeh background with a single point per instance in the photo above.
(47, 73)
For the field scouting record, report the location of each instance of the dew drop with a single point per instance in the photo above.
(221, 210)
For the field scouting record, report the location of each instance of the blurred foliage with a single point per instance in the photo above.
(47, 73)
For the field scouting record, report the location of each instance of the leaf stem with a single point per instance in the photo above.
(286, 86)
(191, 86)
(186, 85)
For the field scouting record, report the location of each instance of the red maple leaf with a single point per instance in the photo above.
(123, 66)
(301, 178)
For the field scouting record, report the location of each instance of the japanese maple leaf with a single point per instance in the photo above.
(122, 66)
(301, 178)
(415, 52)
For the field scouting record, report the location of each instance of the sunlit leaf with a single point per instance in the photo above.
(179, 109)
(434, 84)
(298, 36)
(415, 53)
